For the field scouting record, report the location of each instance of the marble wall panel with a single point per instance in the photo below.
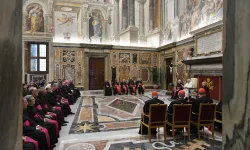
(69, 64)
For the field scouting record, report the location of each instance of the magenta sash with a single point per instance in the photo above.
(52, 114)
(60, 109)
(57, 127)
(45, 131)
(144, 88)
(39, 107)
(30, 140)
(46, 106)
(38, 116)
(26, 123)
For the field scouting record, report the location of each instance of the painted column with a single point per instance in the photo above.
(141, 17)
(157, 14)
(131, 12)
(151, 15)
(125, 14)
(116, 20)
(11, 75)
(104, 31)
(236, 75)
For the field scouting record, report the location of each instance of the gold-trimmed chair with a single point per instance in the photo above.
(218, 117)
(156, 118)
(180, 118)
(206, 117)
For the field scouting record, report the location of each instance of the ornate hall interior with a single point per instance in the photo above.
(160, 47)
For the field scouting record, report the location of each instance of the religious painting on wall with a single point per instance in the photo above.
(145, 74)
(204, 12)
(34, 18)
(145, 58)
(96, 20)
(65, 27)
(155, 59)
(68, 56)
(124, 58)
(113, 58)
(57, 71)
(68, 72)
(124, 72)
(79, 74)
(134, 73)
(134, 58)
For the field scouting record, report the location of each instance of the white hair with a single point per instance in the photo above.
(48, 86)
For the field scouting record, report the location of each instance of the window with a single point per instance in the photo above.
(38, 58)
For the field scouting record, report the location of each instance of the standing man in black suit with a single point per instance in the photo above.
(146, 108)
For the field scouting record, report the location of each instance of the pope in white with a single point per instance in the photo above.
(187, 86)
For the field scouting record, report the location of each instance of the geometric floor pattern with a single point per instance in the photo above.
(143, 144)
(112, 123)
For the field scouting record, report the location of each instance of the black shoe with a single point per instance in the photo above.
(71, 113)
(52, 146)
(65, 121)
(64, 124)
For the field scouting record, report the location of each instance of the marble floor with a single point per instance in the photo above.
(111, 123)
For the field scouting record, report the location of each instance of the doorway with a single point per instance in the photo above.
(169, 72)
(96, 73)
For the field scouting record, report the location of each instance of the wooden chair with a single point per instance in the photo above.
(156, 118)
(181, 118)
(218, 117)
(206, 117)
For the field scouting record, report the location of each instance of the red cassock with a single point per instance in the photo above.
(118, 89)
(125, 88)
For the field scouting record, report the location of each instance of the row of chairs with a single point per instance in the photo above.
(181, 118)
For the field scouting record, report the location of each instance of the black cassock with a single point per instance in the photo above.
(107, 89)
(139, 87)
(31, 132)
(46, 107)
(39, 119)
(54, 101)
(29, 146)
(146, 108)
(131, 87)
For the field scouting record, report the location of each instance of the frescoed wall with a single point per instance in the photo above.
(65, 26)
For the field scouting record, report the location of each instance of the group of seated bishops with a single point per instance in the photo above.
(202, 97)
(123, 88)
(188, 87)
(44, 113)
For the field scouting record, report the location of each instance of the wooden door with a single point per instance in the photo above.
(169, 72)
(96, 73)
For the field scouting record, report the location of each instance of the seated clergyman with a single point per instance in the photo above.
(146, 109)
